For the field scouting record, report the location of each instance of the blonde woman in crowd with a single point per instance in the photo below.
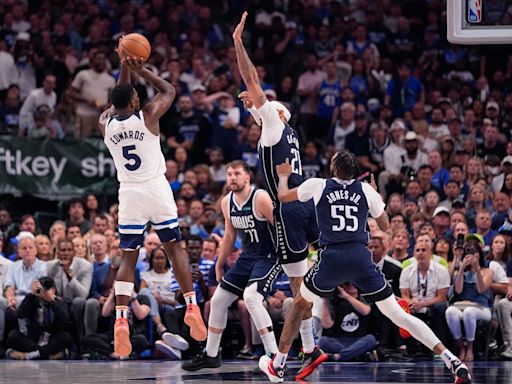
(473, 170)
(110, 235)
(81, 248)
(44, 248)
(57, 232)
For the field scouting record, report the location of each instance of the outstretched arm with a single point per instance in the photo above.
(285, 194)
(246, 67)
(124, 72)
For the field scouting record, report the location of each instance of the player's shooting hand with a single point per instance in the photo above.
(119, 51)
(239, 30)
(246, 99)
(284, 169)
(135, 64)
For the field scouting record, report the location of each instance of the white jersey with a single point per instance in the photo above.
(136, 151)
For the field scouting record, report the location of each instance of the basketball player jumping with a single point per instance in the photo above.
(132, 136)
(248, 213)
(343, 204)
(295, 222)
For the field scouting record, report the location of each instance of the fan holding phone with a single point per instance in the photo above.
(472, 300)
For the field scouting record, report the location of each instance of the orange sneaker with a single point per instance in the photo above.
(122, 344)
(195, 321)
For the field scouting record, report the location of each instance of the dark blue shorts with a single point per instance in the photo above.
(295, 225)
(248, 270)
(347, 263)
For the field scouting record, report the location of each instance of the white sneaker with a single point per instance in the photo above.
(507, 352)
(175, 341)
(172, 353)
(266, 365)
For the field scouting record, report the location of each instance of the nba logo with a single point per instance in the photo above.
(474, 11)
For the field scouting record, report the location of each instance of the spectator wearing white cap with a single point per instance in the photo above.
(394, 157)
(22, 72)
(506, 168)
(492, 111)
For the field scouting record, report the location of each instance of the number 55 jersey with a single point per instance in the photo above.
(342, 207)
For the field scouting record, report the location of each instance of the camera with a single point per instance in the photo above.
(469, 250)
(194, 267)
(460, 241)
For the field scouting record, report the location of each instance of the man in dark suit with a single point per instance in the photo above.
(73, 277)
(391, 268)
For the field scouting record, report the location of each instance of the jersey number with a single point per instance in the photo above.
(347, 221)
(131, 156)
(253, 234)
(296, 165)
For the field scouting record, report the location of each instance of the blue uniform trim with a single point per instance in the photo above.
(165, 222)
(133, 226)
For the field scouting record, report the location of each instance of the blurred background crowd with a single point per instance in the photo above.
(431, 120)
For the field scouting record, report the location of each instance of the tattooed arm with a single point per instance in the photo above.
(246, 67)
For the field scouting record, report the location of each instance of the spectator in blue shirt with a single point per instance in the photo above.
(403, 91)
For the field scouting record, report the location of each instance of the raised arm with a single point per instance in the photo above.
(156, 108)
(246, 67)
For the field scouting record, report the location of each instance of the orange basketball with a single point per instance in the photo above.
(135, 45)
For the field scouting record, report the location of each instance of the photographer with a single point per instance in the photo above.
(47, 316)
(472, 300)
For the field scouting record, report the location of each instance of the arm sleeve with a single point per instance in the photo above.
(77, 81)
(375, 204)
(311, 189)
(272, 126)
(9, 278)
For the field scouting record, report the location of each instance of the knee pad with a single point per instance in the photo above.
(252, 298)
(254, 303)
(219, 305)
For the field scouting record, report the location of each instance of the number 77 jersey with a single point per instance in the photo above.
(253, 231)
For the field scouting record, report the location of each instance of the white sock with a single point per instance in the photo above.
(33, 355)
(213, 343)
(448, 357)
(121, 311)
(190, 298)
(269, 342)
(307, 336)
(280, 360)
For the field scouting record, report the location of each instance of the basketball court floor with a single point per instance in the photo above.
(169, 372)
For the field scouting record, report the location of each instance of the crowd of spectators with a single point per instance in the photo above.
(431, 120)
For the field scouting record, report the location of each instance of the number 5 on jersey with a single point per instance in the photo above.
(131, 157)
(347, 221)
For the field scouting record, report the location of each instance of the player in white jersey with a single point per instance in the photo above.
(132, 135)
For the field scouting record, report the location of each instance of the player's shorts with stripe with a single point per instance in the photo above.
(146, 203)
(295, 226)
(347, 263)
(248, 270)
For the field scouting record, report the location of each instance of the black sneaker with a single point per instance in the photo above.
(202, 360)
(310, 362)
(460, 372)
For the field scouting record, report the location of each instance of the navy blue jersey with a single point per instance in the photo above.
(254, 231)
(343, 210)
(270, 157)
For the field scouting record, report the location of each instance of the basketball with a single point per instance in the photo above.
(135, 45)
